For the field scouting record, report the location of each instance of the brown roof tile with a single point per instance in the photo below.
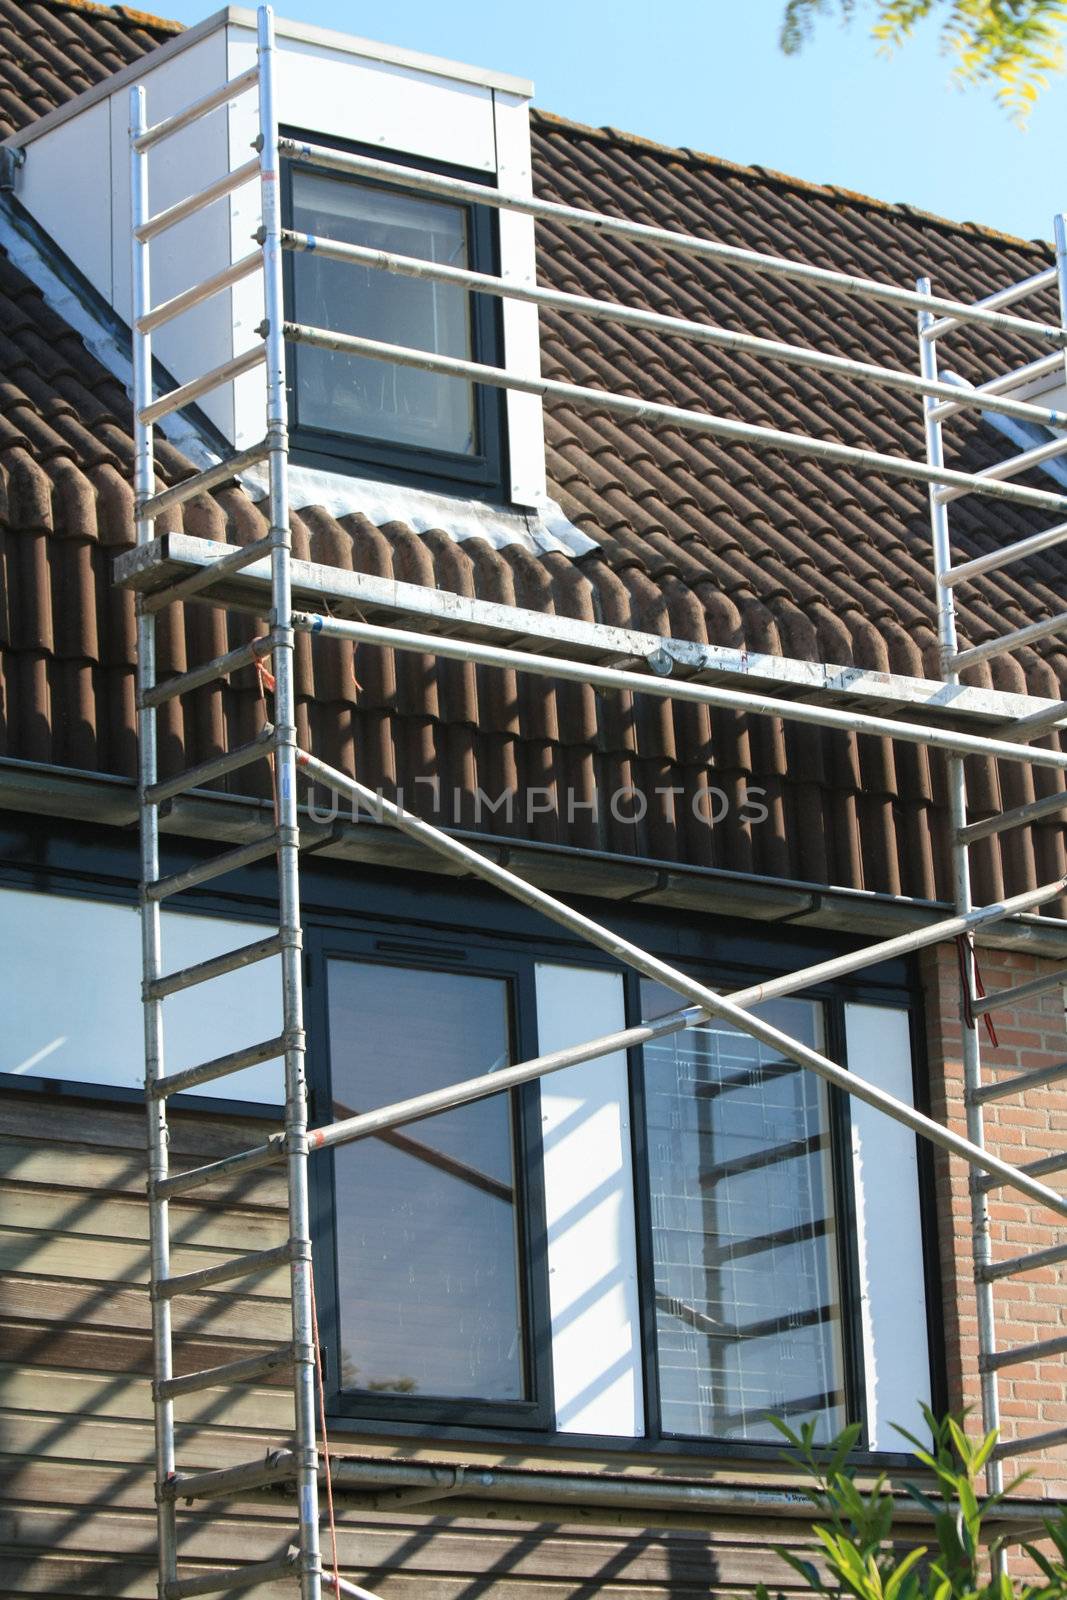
(766, 552)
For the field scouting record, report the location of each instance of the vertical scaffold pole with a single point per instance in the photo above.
(305, 1445)
(151, 933)
(961, 874)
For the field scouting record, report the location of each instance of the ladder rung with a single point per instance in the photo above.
(167, 310)
(1006, 380)
(264, 844)
(220, 1067)
(242, 1371)
(197, 109)
(239, 1267)
(1040, 1350)
(1007, 641)
(994, 301)
(201, 482)
(216, 967)
(198, 777)
(1003, 998)
(224, 1580)
(1034, 726)
(1016, 1264)
(1033, 1169)
(1019, 1084)
(1031, 1446)
(236, 557)
(995, 559)
(277, 1464)
(220, 667)
(186, 393)
(1003, 470)
(235, 1166)
(196, 202)
(1019, 817)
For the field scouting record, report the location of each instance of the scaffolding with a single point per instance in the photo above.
(263, 580)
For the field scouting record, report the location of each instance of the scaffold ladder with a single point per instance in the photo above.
(262, 574)
(979, 1087)
(275, 744)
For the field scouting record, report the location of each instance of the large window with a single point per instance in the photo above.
(745, 1257)
(376, 416)
(675, 1244)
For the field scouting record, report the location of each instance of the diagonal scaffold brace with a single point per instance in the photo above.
(705, 1000)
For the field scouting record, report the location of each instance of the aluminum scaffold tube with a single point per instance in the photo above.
(665, 239)
(679, 416)
(151, 921)
(667, 688)
(961, 875)
(651, 966)
(296, 1117)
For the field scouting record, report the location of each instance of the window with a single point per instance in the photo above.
(745, 1263)
(375, 416)
(432, 1222)
(670, 1246)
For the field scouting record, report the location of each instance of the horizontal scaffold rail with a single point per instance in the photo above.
(639, 410)
(651, 966)
(964, 744)
(667, 239)
(674, 327)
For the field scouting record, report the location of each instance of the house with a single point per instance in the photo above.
(553, 1323)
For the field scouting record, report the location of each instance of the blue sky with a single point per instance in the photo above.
(708, 74)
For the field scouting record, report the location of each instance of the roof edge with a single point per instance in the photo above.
(67, 794)
(689, 157)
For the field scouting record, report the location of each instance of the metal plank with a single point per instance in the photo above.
(174, 556)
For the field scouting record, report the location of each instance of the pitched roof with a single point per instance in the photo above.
(767, 552)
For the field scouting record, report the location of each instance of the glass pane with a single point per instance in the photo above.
(748, 1316)
(88, 1028)
(376, 399)
(427, 1258)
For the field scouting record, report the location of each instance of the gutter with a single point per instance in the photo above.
(594, 1496)
(70, 794)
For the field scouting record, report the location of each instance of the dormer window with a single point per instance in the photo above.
(376, 418)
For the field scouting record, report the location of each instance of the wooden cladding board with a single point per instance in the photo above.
(76, 1501)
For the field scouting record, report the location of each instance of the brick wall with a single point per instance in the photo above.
(1019, 1129)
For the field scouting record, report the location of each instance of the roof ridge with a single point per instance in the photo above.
(761, 174)
(127, 14)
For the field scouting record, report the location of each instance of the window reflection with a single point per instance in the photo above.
(748, 1315)
(379, 400)
(427, 1261)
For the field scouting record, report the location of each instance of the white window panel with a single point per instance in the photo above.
(896, 1355)
(589, 1203)
(72, 980)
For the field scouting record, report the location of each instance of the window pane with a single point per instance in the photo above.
(376, 399)
(747, 1298)
(427, 1258)
(86, 1026)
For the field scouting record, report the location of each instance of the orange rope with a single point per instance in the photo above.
(325, 1438)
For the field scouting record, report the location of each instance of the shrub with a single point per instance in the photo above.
(855, 1527)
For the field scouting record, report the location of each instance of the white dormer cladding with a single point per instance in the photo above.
(75, 183)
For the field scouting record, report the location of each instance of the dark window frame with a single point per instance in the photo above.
(85, 861)
(538, 1411)
(480, 476)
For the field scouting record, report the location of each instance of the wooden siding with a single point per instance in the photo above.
(76, 1506)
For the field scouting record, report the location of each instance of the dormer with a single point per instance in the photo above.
(349, 417)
